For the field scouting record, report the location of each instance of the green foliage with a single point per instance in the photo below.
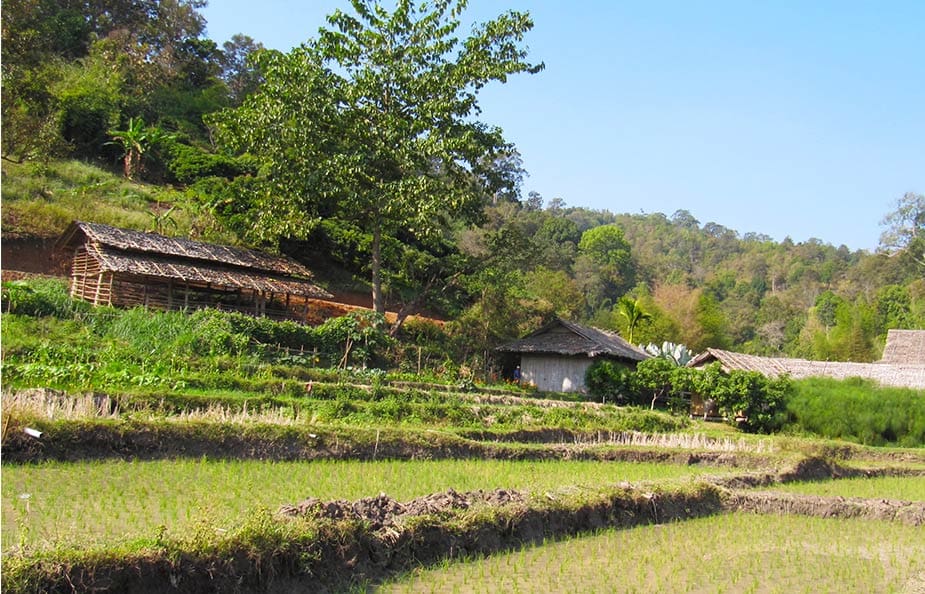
(88, 102)
(611, 381)
(101, 347)
(606, 246)
(747, 398)
(633, 314)
(187, 164)
(371, 122)
(357, 335)
(40, 298)
(858, 410)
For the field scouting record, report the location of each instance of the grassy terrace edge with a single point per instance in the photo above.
(319, 552)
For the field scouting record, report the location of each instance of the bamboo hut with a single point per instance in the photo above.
(555, 357)
(905, 348)
(125, 268)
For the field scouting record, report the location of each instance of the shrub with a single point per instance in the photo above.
(755, 402)
(187, 164)
(611, 381)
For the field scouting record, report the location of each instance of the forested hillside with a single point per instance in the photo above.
(135, 88)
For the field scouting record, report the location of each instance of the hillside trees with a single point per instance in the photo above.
(373, 122)
(905, 229)
(73, 70)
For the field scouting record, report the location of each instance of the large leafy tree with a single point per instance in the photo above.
(905, 228)
(374, 121)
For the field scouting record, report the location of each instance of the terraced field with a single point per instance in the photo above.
(116, 497)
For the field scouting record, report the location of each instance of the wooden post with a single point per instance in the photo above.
(99, 286)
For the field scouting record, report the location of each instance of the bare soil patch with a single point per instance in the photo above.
(905, 512)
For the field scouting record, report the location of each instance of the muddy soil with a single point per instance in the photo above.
(382, 510)
(905, 512)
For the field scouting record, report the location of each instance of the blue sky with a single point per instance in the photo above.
(788, 118)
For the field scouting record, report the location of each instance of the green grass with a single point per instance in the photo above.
(99, 502)
(42, 200)
(726, 553)
(906, 488)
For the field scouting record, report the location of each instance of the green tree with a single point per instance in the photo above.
(373, 121)
(607, 246)
(134, 141)
(238, 70)
(905, 230)
(558, 289)
(631, 311)
(654, 377)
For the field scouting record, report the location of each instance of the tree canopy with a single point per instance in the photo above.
(374, 122)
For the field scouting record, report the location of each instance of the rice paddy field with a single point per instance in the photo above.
(724, 553)
(91, 503)
(906, 488)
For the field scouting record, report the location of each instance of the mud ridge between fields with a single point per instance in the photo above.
(763, 502)
(75, 441)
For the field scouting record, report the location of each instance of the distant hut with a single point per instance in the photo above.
(902, 365)
(556, 357)
(904, 347)
(125, 268)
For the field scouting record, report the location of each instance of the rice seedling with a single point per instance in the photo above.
(906, 488)
(96, 502)
(727, 553)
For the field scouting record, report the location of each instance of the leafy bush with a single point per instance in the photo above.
(611, 381)
(187, 164)
(755, 402)
(858, 410)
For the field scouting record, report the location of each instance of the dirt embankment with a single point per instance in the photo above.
(762, 502)
(136, 440)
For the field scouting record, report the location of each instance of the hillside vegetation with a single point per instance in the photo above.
(133, 117)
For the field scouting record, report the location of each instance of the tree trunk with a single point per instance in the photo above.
(376, 269)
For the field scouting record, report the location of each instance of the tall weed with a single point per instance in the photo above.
(858, 410)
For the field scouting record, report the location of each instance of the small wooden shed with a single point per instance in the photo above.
(125, 268)
(556, 357)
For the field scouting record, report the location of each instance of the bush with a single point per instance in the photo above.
(187, 164)
(611, 382)
(753, 401)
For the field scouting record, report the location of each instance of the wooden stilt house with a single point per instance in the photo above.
(124, 268)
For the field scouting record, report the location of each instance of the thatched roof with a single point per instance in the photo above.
(185, 260)
(888, 374)
(904, 347)
(561, 337)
